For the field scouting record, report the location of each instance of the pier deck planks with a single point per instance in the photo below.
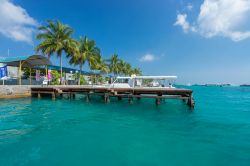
(157, 93)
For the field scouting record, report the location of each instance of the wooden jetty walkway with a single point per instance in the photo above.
(106, 92)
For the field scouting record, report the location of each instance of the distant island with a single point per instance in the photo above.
(219, 85)
(245, 85)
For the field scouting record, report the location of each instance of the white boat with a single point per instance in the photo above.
(144, 82)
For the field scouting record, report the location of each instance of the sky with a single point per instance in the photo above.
(200, 41)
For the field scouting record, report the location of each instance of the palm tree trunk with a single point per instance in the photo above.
(79, 80)
(61, 69)
(46, 70)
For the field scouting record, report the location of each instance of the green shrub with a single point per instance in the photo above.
(82, 80)
(55, 77)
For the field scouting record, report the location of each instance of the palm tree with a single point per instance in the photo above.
(124, 68)
(136, 71)
(114, 64)
(127, 69)
(55, 39)
(85, 51)
(103, 67)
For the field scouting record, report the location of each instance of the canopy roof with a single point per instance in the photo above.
(157, 77)
(150, 77)
(69, 70)
(27, 61)
(38, 62)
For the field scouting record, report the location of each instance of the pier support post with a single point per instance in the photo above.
(39, 95)
(106, 98)
(73, 95)
(157, 101)
(87, 97)
(53, 96)
(130, 100)
(190, 102)
(70, 95)
(103, 97)
(184, 99)
(119, 98)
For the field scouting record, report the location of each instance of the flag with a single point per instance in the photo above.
(37, 75)
(3, 71)
(49, 75)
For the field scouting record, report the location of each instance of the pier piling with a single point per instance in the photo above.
(53, 96)
(130, 100)
(87, 97)
(106, 98)
(190, 102)
(157, 101)
(119, 98)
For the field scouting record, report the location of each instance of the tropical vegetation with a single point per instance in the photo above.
(85, 51)
(56, 39)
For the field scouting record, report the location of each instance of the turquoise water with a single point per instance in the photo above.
(62, 132)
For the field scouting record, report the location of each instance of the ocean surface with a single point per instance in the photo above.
(38, 132)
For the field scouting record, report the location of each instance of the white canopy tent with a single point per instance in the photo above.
(133, 80)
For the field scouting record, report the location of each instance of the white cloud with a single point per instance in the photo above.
(147, 58)
(15, 23)
(225, 18)
(182, 21)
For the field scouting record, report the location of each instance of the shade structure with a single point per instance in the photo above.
(69, 70)
(26, 61)
(150, 77)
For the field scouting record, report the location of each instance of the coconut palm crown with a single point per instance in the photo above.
(85, 51)
(55, 39)
(114, 64)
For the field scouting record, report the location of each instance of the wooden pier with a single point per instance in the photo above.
(129, 93)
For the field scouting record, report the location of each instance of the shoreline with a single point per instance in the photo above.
(15, 91)
(16, 96)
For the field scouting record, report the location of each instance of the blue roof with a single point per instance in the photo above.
(68, 70)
